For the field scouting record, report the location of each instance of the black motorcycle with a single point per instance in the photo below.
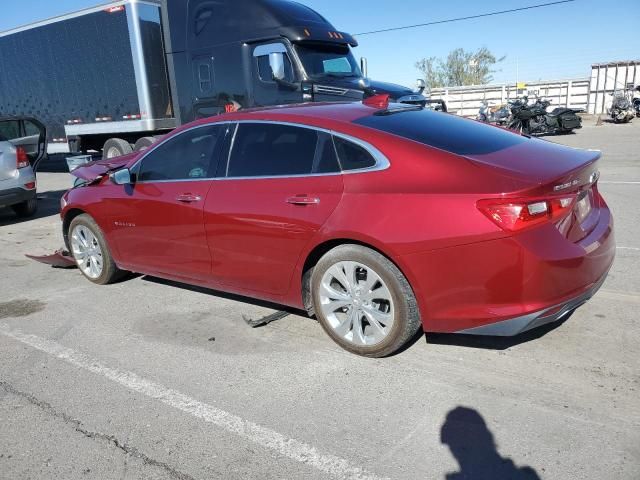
(533, 119)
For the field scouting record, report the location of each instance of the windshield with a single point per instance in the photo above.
(328, 61)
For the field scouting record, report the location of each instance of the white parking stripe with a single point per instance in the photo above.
(629, 248)
(265, 437)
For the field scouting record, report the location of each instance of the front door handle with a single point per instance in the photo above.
(188, 198)
(303, 200)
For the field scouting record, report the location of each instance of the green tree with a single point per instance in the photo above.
(460, 68)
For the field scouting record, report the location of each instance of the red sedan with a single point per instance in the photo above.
(379, 219)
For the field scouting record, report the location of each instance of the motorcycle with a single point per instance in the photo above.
(621, 110)
(497, 114)
(636, 100)
(534, 119)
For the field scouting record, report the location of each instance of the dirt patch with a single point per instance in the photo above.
(20, 308)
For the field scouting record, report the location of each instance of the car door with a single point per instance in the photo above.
(158, 220)
(279, 185)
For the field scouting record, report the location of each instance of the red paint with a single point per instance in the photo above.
(253, 236)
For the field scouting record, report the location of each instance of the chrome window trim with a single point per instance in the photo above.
(382, 162)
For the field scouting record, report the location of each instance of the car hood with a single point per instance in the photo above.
(94, 170)
(395, 91)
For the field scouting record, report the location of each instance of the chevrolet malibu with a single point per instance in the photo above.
(379, 219)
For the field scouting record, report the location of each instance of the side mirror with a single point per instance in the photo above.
(420, 85)
(122, 177)
(276, 61)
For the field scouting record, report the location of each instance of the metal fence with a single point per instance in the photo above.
(466, 101)
(591, 94)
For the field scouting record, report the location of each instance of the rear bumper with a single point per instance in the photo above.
(513, 284)
(15, 196)
(518, 325)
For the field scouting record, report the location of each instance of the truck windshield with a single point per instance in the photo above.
(328, 61)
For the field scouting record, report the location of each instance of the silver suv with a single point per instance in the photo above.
(22, 147)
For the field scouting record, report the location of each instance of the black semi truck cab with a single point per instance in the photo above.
(114, 77)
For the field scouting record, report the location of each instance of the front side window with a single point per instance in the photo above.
(191, 155)
(261, 57)
(328, 61)
(272, 150)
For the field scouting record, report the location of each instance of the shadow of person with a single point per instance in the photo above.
(471, 443)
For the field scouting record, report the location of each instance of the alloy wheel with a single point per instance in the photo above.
(87, 252)
(357, 303)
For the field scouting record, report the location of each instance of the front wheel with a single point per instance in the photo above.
(363, 301)
(91, 252)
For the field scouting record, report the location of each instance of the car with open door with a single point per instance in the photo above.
(379, 219)
(23, 143)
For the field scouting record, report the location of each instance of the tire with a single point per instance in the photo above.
(27, 208)
(115, 147)
(143, 143)
(400, 316)
(109, 272)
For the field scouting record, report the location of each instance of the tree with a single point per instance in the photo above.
(460, 68)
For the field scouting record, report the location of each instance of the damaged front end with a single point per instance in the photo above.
(86, 175)
(59, 259)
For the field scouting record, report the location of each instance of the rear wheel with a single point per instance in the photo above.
(115, 147)
(143, 143)
(90, 251)
(363, 301)
(26, 209)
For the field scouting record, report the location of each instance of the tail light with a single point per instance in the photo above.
(515, 215)
(22, 161)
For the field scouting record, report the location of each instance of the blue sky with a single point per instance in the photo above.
(550, 43)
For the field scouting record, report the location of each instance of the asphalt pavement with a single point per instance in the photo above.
(148, 379)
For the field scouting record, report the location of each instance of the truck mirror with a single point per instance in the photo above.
(420, 85)
(276, 61)
(364, 67)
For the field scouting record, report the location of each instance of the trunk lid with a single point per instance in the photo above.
(554, 172)
(7, 160)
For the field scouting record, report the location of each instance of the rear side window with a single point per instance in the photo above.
(268, 150)
(10, 129)
(188, 156)
(353, 156)
(444, 131)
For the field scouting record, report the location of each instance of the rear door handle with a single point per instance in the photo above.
(188, 198)
(303, 200)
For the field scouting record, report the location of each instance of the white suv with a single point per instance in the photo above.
(22, 147)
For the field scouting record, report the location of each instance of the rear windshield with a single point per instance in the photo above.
(444, 131)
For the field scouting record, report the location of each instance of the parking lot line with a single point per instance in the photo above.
(634, 249)
(265, 437)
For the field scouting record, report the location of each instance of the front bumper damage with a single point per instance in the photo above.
(59, 259)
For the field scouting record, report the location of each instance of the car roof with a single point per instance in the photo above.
(319, 114)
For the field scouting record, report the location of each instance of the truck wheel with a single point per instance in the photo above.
(143, 143)
(363, 301)
(91, 252)
(26, 209)
(115, 147)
